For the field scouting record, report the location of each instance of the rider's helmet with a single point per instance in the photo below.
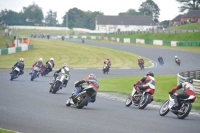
(52, 59)
(150, 73)
(40, 60)
(175, 56)
(91, 76)
(65, 65)
(107, 58)
(189, 80)
(21, 59)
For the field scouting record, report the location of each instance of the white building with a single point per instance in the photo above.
(124, 23)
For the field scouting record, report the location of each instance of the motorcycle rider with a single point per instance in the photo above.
(91, 81)
(108, 62)
(146, 82)
(20, 65)
(50, 64)
(140, 61)
(38, 64)
(188, 90)
(160, 59)
(65, 70)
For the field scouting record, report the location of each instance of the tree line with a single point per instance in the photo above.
(33, 15)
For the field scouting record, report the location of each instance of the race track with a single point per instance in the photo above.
(27, 106)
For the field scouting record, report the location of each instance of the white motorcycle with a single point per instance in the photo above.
(183, 109)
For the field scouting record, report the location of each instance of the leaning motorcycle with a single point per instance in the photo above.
(161, 62)
(35, 72)
(182, 111)
(105, 69)
(141, 66)
(81, 99)
(141, 98)
(45, 71)
(58, 83)
(15, 73)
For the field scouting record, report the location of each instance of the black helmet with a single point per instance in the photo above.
(150, 73)
(189, 80)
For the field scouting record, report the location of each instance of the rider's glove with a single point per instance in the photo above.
(170, 93)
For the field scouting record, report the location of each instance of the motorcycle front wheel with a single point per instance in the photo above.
(56, 87)
(164, 108)
(128, 101)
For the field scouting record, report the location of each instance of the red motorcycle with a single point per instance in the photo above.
(141, 98)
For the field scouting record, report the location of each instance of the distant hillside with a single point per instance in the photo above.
(193, 26)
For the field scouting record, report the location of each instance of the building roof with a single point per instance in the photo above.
(124, 20)
(177, 18)
(192, 14)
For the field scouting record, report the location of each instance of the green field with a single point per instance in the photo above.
(124, 85)
(6, 131)
(76, 55)
(192, 26)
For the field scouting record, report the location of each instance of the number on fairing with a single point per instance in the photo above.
(171, 103)
(17, 69)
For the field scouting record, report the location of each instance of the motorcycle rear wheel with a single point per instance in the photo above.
(144, 101)
(164, 108)
(83, 100)
(186, 108)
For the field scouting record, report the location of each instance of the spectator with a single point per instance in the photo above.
(6, 32)
(7, 45)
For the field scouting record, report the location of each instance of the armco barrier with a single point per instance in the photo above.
(139, 41)
(195, 74)
(16, 49)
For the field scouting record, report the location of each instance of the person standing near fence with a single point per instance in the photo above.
(7, 45)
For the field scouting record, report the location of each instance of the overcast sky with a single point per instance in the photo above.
(168, 8)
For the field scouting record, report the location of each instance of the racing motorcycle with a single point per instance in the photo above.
(178, 62)
(58, 82)
(15, 73)
(81, 99)
(105, 69)
(35, 72)
(45, 71)
(141, 66)
(184, 106)
(141, 98)
(161, 62)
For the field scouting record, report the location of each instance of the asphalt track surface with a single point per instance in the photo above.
(27, 106)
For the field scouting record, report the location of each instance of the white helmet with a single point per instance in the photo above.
(21, 59)
(41, 59)
(175, 56)
(52, 59)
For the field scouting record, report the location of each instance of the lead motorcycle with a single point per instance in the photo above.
(105, 69)
(81, 99)
(141, 98)
(35, 72)
(182, 111)
(58, 82)
(15, 73)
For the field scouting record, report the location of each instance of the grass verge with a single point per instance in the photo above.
(124, 85)
(76, 55)
(6, 131)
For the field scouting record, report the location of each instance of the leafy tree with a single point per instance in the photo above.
(33, 14)
(165, 23)
(189, 5)
(129, 12)
(50, 19)
(150, 8)
(80, 19)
